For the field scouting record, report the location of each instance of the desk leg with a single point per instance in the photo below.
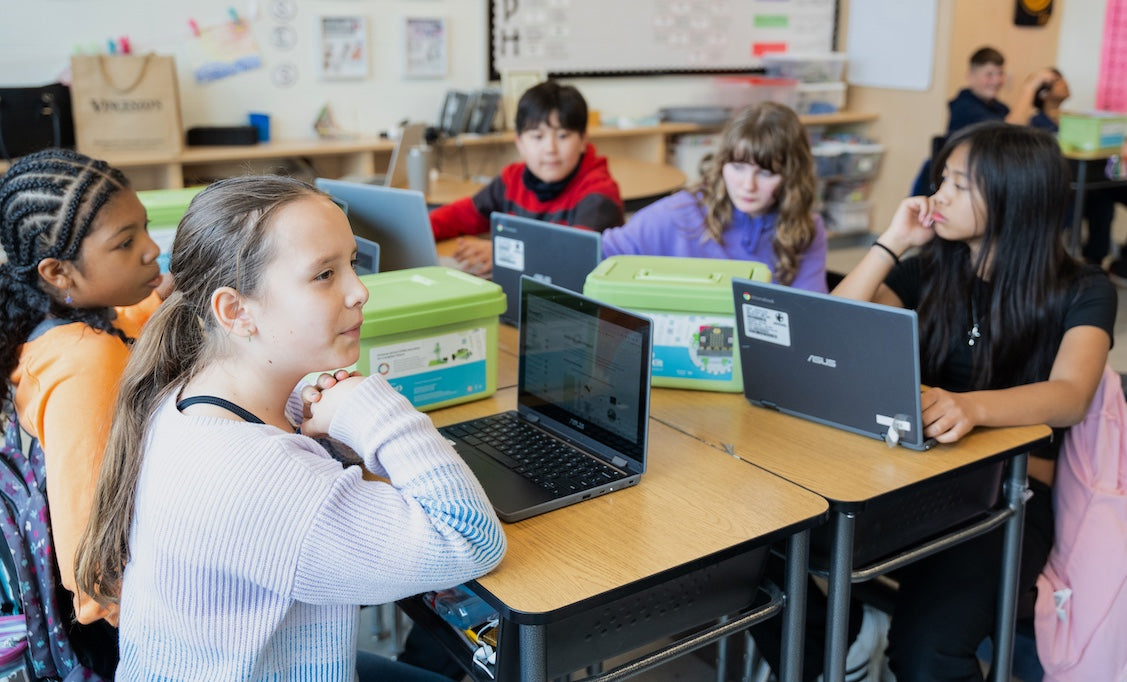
(794, 616)
(1011, 559)
(1078, 207)
(533, 653)
(841, 569)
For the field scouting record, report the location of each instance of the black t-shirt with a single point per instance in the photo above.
(1093, 303)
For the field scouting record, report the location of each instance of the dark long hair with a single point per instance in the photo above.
(49, 202)
(1023, 181)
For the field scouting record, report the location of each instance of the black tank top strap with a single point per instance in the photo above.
(218, 402)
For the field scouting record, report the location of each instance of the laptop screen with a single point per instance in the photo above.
(585, 369)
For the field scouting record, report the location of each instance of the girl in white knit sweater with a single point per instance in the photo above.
(237, 546)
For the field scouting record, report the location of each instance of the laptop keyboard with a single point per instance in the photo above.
(543, 460)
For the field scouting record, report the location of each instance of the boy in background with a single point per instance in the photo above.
(560, 178)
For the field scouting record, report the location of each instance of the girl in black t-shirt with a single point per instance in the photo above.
(1013, 331)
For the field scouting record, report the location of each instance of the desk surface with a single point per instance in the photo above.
(692, 502)
(841, 466)
(636, 179)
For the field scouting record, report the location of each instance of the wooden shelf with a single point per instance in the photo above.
(480, 155)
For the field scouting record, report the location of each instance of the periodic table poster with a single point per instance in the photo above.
(1111, 88)
(655, 36)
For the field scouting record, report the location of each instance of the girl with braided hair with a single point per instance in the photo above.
(78, 277)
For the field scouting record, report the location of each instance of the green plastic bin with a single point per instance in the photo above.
(1092, 131)
(690, 302)
(432, 333)
(165, 208)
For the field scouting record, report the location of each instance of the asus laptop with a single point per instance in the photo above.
(849, 364)
(396, 219)
(551, 253)
(582, 420)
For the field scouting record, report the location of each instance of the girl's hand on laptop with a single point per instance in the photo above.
(947, 416)
(321, 398)
(475, 256)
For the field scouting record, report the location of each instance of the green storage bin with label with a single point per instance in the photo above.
(431, 332)
(164, 209)
(1093, 131)
(690, 302)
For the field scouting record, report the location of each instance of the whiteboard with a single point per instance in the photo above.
(891, 43)
(577, 37)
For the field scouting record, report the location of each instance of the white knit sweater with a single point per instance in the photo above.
(251, 547)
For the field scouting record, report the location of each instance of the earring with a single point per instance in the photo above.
(68, 300)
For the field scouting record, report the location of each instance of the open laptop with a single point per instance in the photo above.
(582, 420)
(367, 256)
(396, 219)
(412, 135)
(551, 253)
(849, 364)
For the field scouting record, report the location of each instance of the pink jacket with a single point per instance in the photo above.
(1081, 613)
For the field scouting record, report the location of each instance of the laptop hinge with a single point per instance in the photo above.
(769, 405)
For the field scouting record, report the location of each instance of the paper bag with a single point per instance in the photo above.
(126, 105)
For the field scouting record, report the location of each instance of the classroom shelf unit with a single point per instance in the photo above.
(468, 156)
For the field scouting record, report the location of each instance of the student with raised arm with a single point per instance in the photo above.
(560, 178)
(1013, 331)
(754, 201)
(237, 546)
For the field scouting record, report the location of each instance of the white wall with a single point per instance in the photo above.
(37, 37)
(1078, 57)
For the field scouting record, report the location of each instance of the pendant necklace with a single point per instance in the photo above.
(973, 335)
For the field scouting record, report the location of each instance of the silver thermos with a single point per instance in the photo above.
(418, 168)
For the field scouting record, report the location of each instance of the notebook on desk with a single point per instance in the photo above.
(556, 254)
(849, 364)
(582, 420)
(396, 219)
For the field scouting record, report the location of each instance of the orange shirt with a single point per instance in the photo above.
(65, 386)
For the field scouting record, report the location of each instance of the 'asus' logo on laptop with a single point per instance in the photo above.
(576, 423)
(819, 360)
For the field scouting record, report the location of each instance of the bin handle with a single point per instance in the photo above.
(648, 275)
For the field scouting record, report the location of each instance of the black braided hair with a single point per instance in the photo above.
(48, 203)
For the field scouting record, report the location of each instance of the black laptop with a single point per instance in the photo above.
(850, 364)
(582, 420)
(556, 254)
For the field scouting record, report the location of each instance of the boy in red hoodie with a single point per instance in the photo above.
(560, 178)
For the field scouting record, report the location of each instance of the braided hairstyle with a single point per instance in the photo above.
(48, 204)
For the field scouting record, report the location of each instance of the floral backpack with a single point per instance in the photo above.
(25, 523)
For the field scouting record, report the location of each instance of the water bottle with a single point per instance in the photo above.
(418, 168)
(461, 608)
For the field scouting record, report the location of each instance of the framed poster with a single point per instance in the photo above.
(424, 41)
(344, 47)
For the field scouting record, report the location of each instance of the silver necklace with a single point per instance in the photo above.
(973, 335)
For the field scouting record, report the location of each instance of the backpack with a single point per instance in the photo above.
(1081, 611)
(26, 530)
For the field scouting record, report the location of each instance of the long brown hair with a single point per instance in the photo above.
(770, 136)
(222, 241)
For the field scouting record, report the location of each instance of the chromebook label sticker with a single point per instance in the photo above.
(765, 324)
(508, 253)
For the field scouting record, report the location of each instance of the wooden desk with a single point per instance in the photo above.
(690, 511)
(639, 182)
(851, 470)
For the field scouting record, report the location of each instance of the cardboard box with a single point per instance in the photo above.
(690, 302)
(432, 333)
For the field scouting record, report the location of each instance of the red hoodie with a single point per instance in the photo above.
(590, 200)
